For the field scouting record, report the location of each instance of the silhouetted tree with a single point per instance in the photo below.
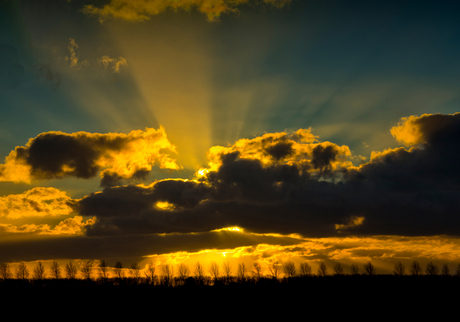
(5, 271)
(242, 271)
(415, 268)
(150, 273)
(457, 271)
(70, 271)
(322, 269)
(87, 268)
(183, 272)
(305, 269)
(354, 269)
(275, 269)
(431, 269)
(39, 271)
(227, 271)
(445, 270)
(199, 273)
(22, 272)
(118, 270)
(289, 269)
(168, 274)
(338, 269)
(399, 269)
(55, 270)
(369, 268)
(103, 270)
(257, 270)
(135, 271)
(214, 271)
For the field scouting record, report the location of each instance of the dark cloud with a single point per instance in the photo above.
(49, 74)
(400, 191)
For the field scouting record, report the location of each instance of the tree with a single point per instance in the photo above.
(135, 271)
(431, 269)
(214, 271)
(55, 270)
(103, 270)
(199, 272)
(183, 272)
(87, 268)
(305, 269)
(150, 273)
(70, 271)
(445, 270)
(322, 270)
(289, 269)
(399, 269)
(242, 271)
(275, 269)
(369, 268)
(22, 272)
(354, 269)
(227, 271)
(5, 271)
(39, 271)
(338, 269)
(257, 270)
(168, 273)
(118, 270)
(457, 271)
(415, 268)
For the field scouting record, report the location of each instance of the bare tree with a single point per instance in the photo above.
(369, 268)
(275, 269)
(322, 270)
(87, 268)
(135, 271)
(257, 270)
(227, 271)
(150, 273)
(22, 272)
(338, 269)
(71, 271)
(305, 269)
(289, 269)
(242, 272)
(415, 268)
(399, 269)
(184, 272)
(168, 273)
(214, 271)
(354, 269)
(5, 271)
(55, 270)
(445, 270)
(118, 270)
(39, 271)
(199, 272)
(431, 269)
(103, 270)
(457, 271)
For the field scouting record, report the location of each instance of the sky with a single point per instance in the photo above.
(167, 132)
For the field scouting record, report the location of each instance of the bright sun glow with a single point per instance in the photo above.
(164, 205)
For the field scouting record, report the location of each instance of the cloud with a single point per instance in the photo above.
(69, 226)
(291, 183)
(74, 57)
(36, 202)
(142, 10)
(116, 156)
(106, 61)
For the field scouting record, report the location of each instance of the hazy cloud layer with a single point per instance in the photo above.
(142, 10)
(83, 155)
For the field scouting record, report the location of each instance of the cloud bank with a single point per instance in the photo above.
(142, 10)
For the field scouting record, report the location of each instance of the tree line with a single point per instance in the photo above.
(169, 275)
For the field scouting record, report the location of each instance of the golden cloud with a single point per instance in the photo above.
(83, 155)
(36, 202)
(141, 10)
(69, 226)
(116, 63)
